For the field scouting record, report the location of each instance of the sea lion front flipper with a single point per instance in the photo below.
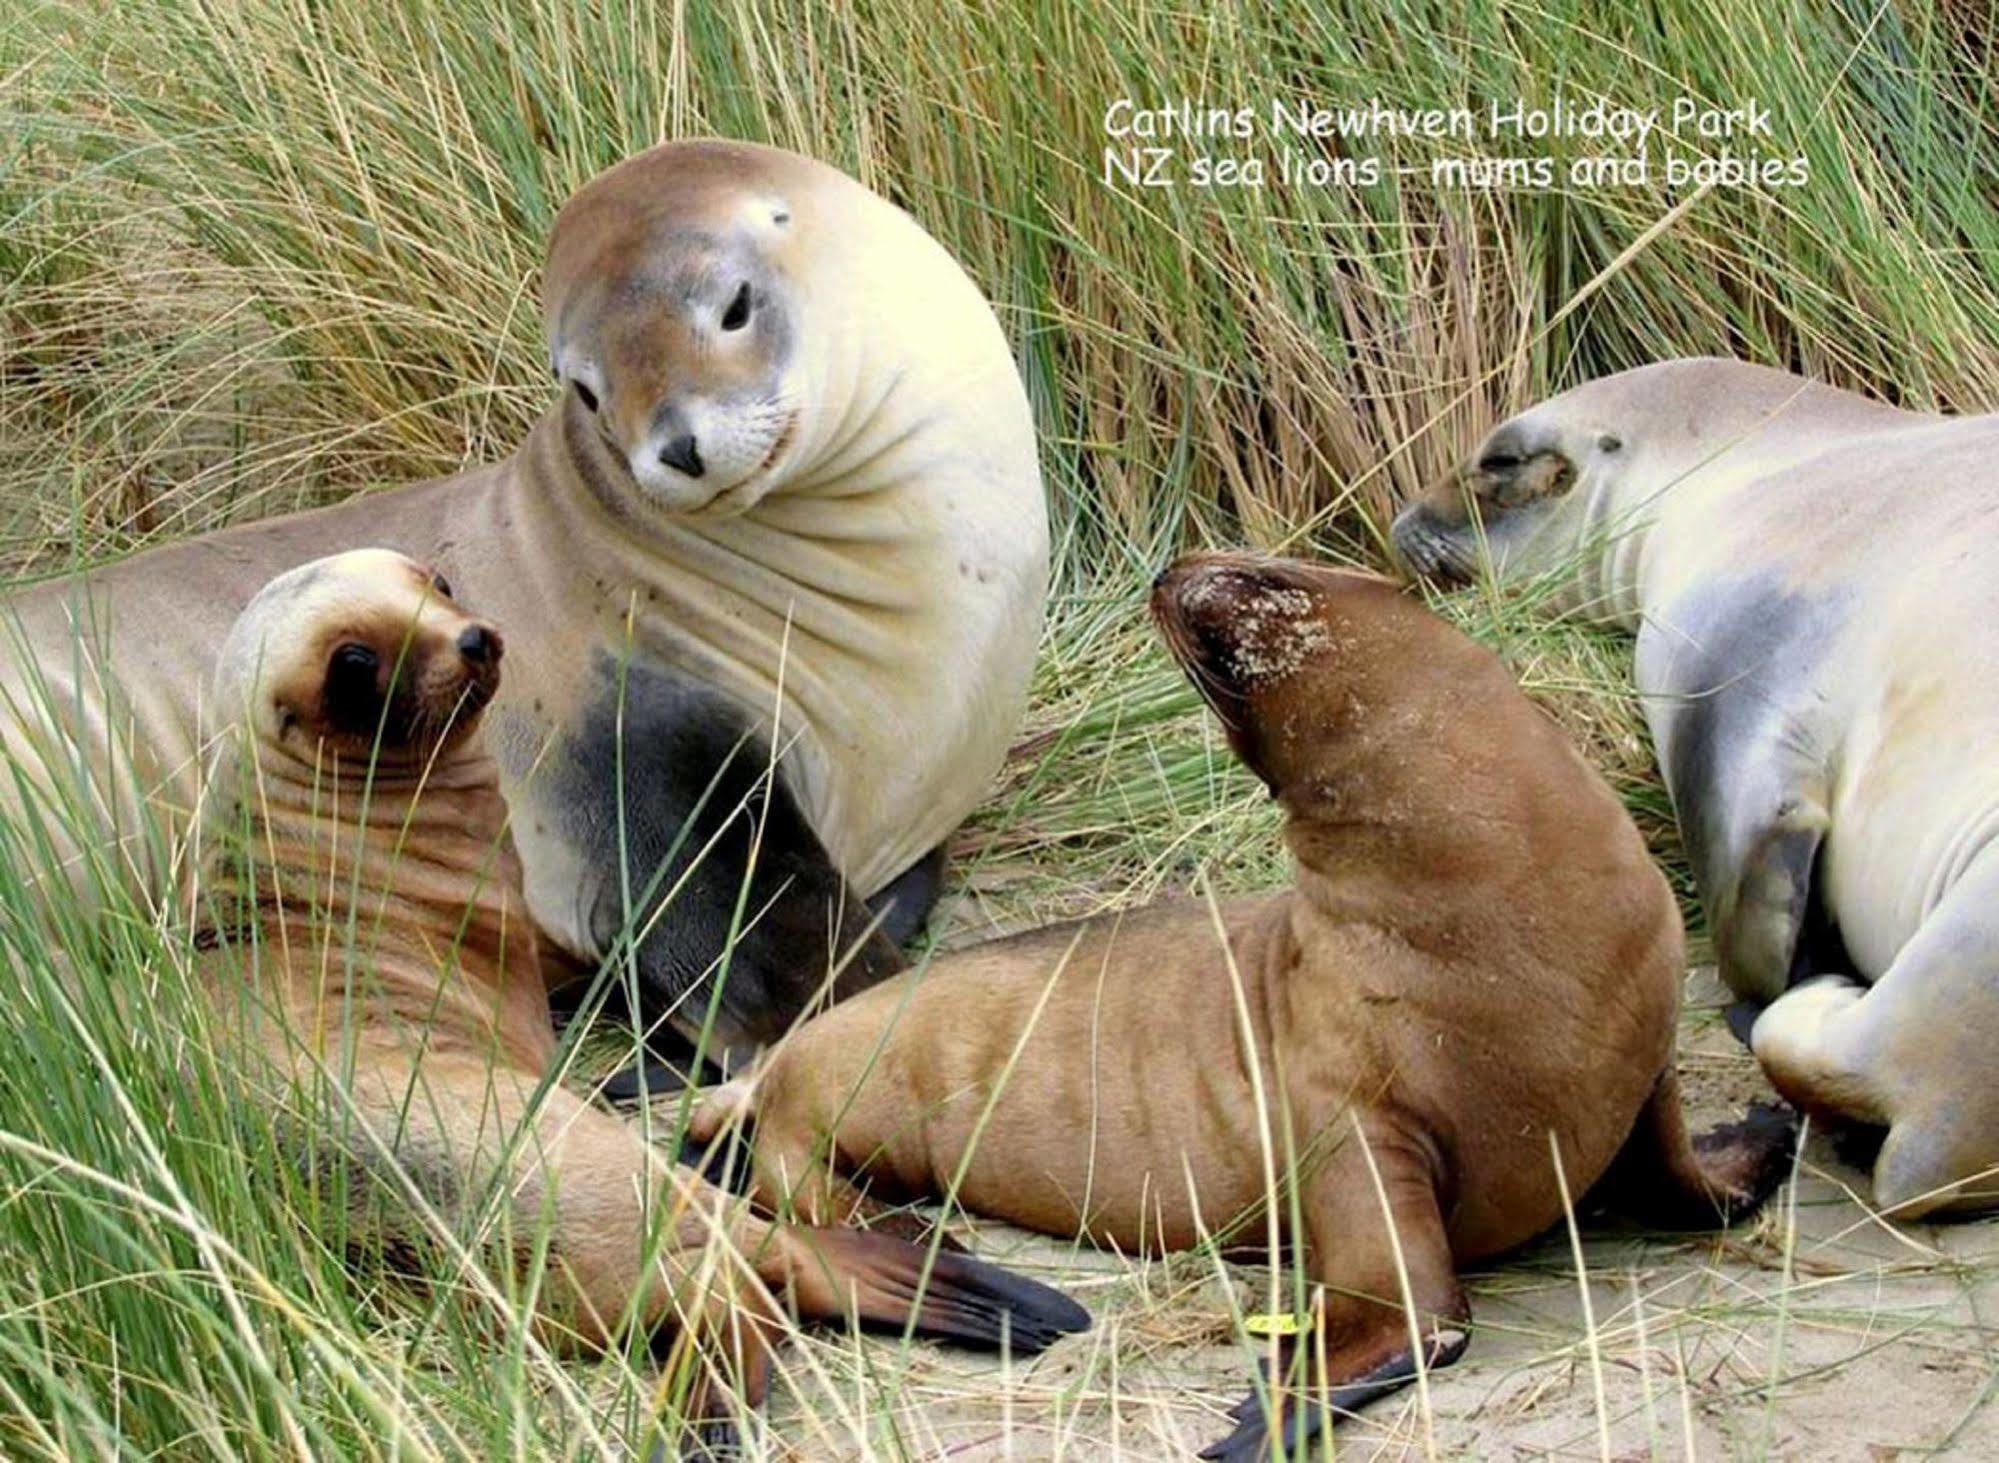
(1746, 773)
(1664, 1178)
(1370, 1248)
(906, 900)
(1760, 905)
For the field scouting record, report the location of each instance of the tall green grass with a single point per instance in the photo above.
(256, 254)
(186, 1277)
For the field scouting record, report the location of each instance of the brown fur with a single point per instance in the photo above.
(1478, 958)
(433, 1022)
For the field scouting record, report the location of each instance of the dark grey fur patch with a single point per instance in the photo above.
(694, 775)
(1739, 706)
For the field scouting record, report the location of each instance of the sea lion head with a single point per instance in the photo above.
(363, 655)
(673, 317)
(1519, 501)
(1287, 653)
(1559, 482)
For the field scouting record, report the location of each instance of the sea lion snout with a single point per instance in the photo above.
(1241, 622)
(1429, 543)
(413, 681)
(1215, 610)
(1270, 645)
(675, 337)
(1522, 464)
(480, 643)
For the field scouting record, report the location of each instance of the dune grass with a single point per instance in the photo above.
(262, 254)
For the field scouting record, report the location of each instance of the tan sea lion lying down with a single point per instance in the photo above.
(357, 804)
(1478, 959)
(1809, 579)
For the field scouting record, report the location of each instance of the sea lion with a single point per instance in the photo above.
(367, 944)
(1478, 960)
(1805, 572)
(785, 513)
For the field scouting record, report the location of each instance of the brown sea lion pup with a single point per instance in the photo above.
(1478, 960)
(367, 941)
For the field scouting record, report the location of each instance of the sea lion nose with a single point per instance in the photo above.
(682, 455)
(1411, 525)
(479, 645)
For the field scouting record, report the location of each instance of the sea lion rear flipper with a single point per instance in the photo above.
(881, 1281)
(1912, 1052)
(1664, 1178)
(1371, 1247)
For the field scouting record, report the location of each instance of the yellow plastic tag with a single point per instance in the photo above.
(1268, 1324)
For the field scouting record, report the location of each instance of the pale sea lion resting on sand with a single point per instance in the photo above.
(786, 509)
(369, 949)
(1478, 959)
(1817, 614)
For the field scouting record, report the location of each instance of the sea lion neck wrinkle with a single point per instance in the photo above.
(416, 864)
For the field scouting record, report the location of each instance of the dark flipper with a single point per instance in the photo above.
(905, 905)
(1375, 1235)
(1300, 1422)
(1741, 1018)
(1664, 1179)
(882, 1282)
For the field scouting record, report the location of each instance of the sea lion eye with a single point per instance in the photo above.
(352, 664)
(585, 395)
(442, 585)
(1498, 462)
(738, 313)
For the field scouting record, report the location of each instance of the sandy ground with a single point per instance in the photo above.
(1816, 1332)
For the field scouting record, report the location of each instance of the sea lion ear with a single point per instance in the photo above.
(764, 214)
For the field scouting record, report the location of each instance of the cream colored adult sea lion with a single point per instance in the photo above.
(1818, 649)
(785, 512)
(368, 945)
(1478, 961)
